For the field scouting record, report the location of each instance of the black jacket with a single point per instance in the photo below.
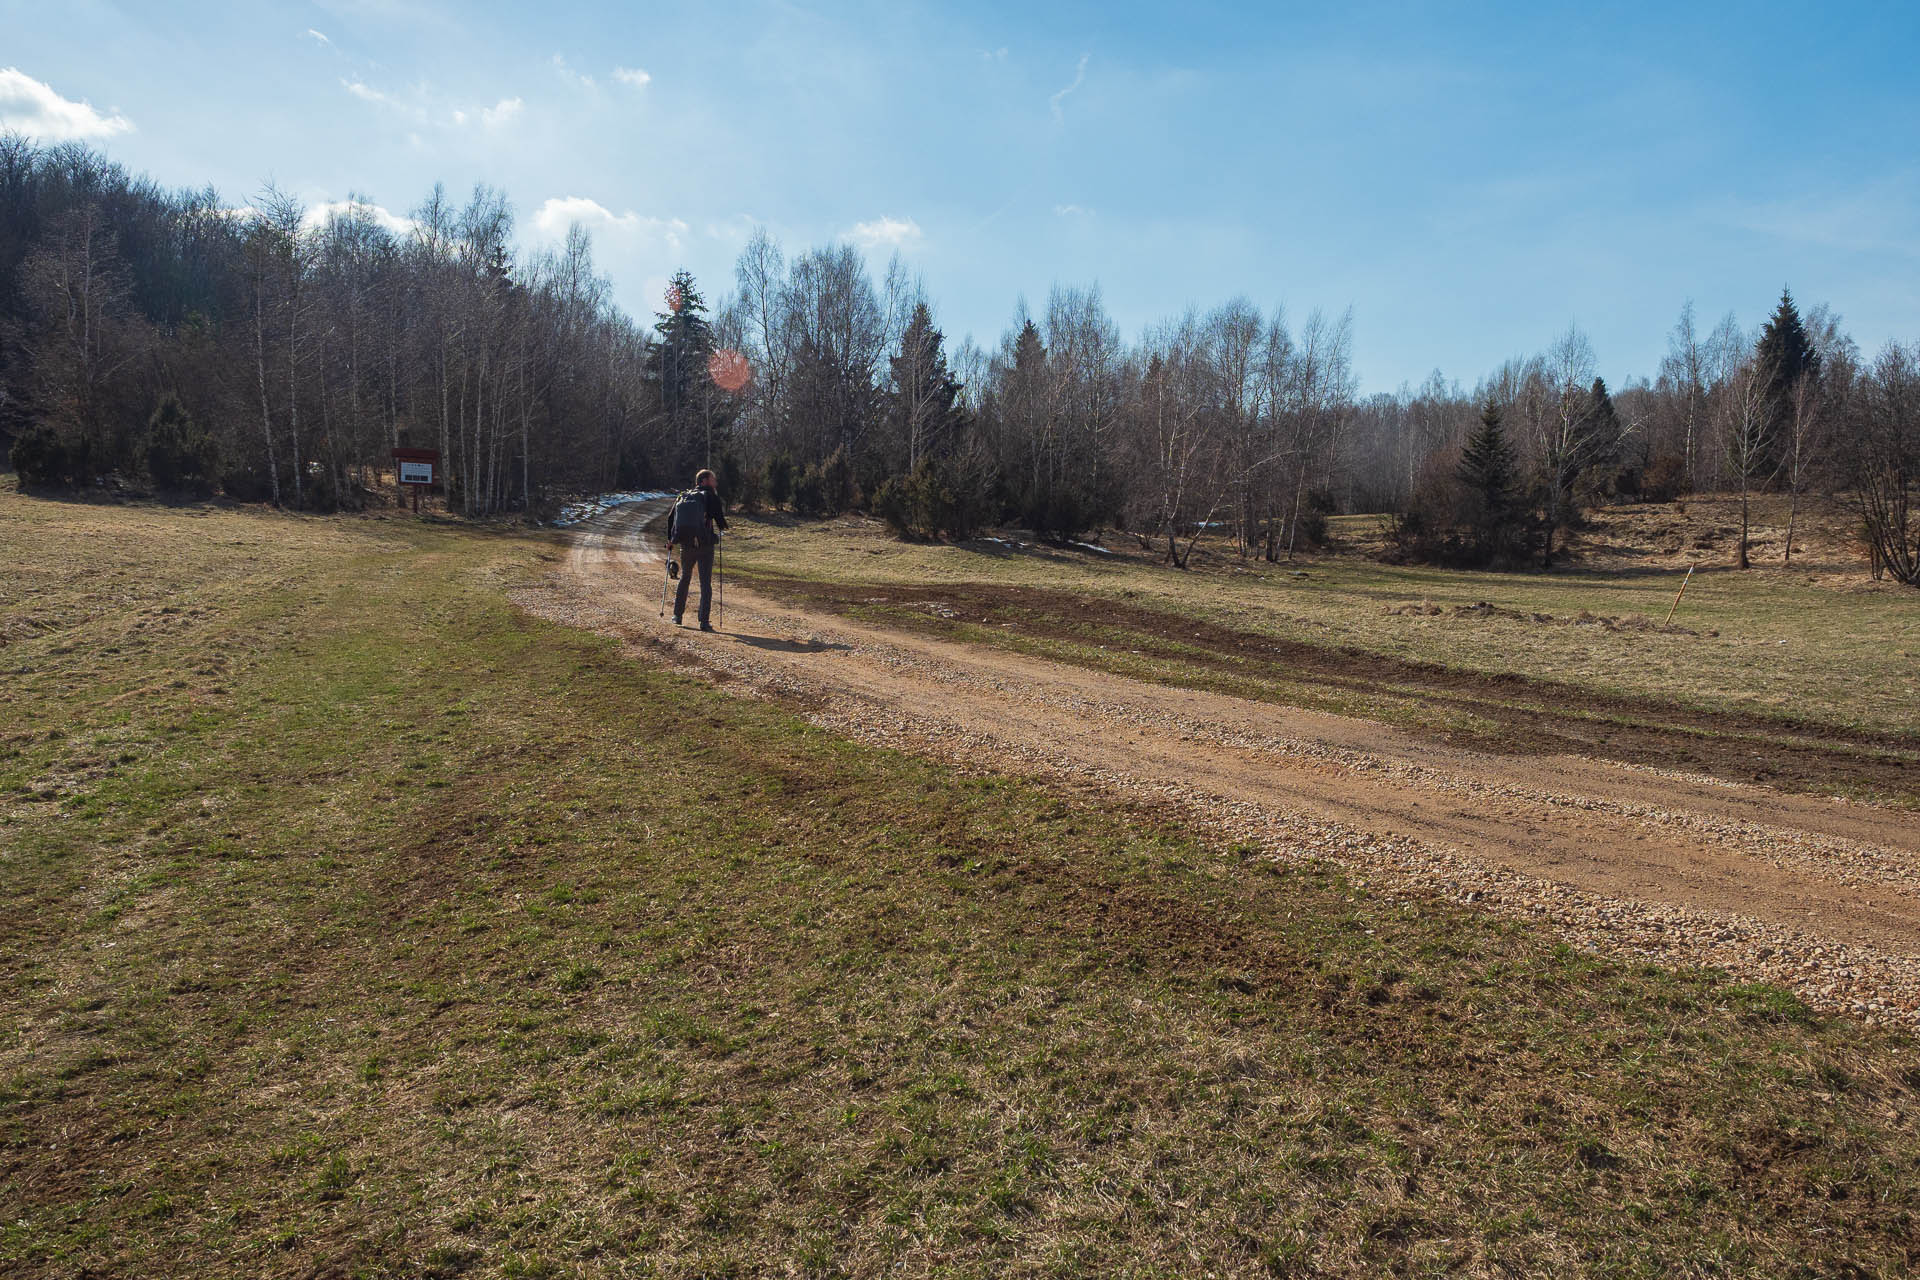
(716, 518)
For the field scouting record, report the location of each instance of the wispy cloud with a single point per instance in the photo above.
(1876, 217)
(320, 36)
(562, 212)
(502, 112)
(423, 106)
(1079, 78)
(32, 107)
(633, 76)
(367, 93)
(994, 55)
(887, 232)
(580, 78)
(1072, 211)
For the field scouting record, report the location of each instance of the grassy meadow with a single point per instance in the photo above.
(1796, 645)
(356, 924)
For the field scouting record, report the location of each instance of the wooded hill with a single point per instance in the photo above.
(277, 352)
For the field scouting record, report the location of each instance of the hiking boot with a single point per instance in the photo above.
(706, 626)
(677, 622)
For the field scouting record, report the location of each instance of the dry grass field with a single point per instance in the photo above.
(1807, 677)
(357, 924)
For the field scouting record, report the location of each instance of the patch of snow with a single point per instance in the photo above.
(1088, 546)
(580, 512)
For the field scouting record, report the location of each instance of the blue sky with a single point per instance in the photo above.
(1470, 178)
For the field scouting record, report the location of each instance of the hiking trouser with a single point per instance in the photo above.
(701, 554)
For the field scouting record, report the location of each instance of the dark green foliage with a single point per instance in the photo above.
(1785, 352)
(922, 417)
(1787, 358)
(810, 493)
(1496, 514)
(950, 497)
(780, 479)
(826, 488)
(1472, 514)
(741, 486)
(181, 456)
(47, 458)
(684, 347)
(836, 479)
(1600, 481)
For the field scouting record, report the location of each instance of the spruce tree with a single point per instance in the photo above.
(1491, 476)
(677, 364)
(1785, 351)
(921, 414)
(1787, 357)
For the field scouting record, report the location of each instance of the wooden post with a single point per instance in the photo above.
(1676, 596)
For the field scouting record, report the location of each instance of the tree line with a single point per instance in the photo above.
(276, 352)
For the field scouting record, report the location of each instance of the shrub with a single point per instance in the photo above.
(810, 492)
(1665, 478)
(780, 479)
(45, 457)
(948, 496)
(181, 456)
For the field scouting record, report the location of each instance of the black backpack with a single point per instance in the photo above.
(689, 522)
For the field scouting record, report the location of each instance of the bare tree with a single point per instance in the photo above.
(1566, 434)
(1885, 472)
(1747, 436)
(1684, 371)
(1177, 456)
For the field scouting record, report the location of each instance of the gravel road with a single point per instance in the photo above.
(1819, 895)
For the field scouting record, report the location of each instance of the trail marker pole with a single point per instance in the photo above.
(1676, 596)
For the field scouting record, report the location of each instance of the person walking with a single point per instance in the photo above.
(694, 526)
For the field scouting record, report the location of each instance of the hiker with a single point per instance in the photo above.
(694, 525)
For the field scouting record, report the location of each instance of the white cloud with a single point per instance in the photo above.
(423, 106)
(887, 231)
(580, 78)
(367, 93)
(561, 212)
(393, 222)
(1072, 211)
(33, 108)
(502, 112)
(317, 35)
(1079, 78)
(633, 76)
(994, 55)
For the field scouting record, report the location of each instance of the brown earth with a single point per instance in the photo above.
(1563, 822)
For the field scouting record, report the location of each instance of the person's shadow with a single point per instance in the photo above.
(775, 644)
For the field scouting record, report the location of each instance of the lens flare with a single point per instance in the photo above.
(728, 369)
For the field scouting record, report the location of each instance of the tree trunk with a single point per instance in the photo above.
(1743, 522)
(260, 368)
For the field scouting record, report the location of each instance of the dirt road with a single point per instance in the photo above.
(1819, 894)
